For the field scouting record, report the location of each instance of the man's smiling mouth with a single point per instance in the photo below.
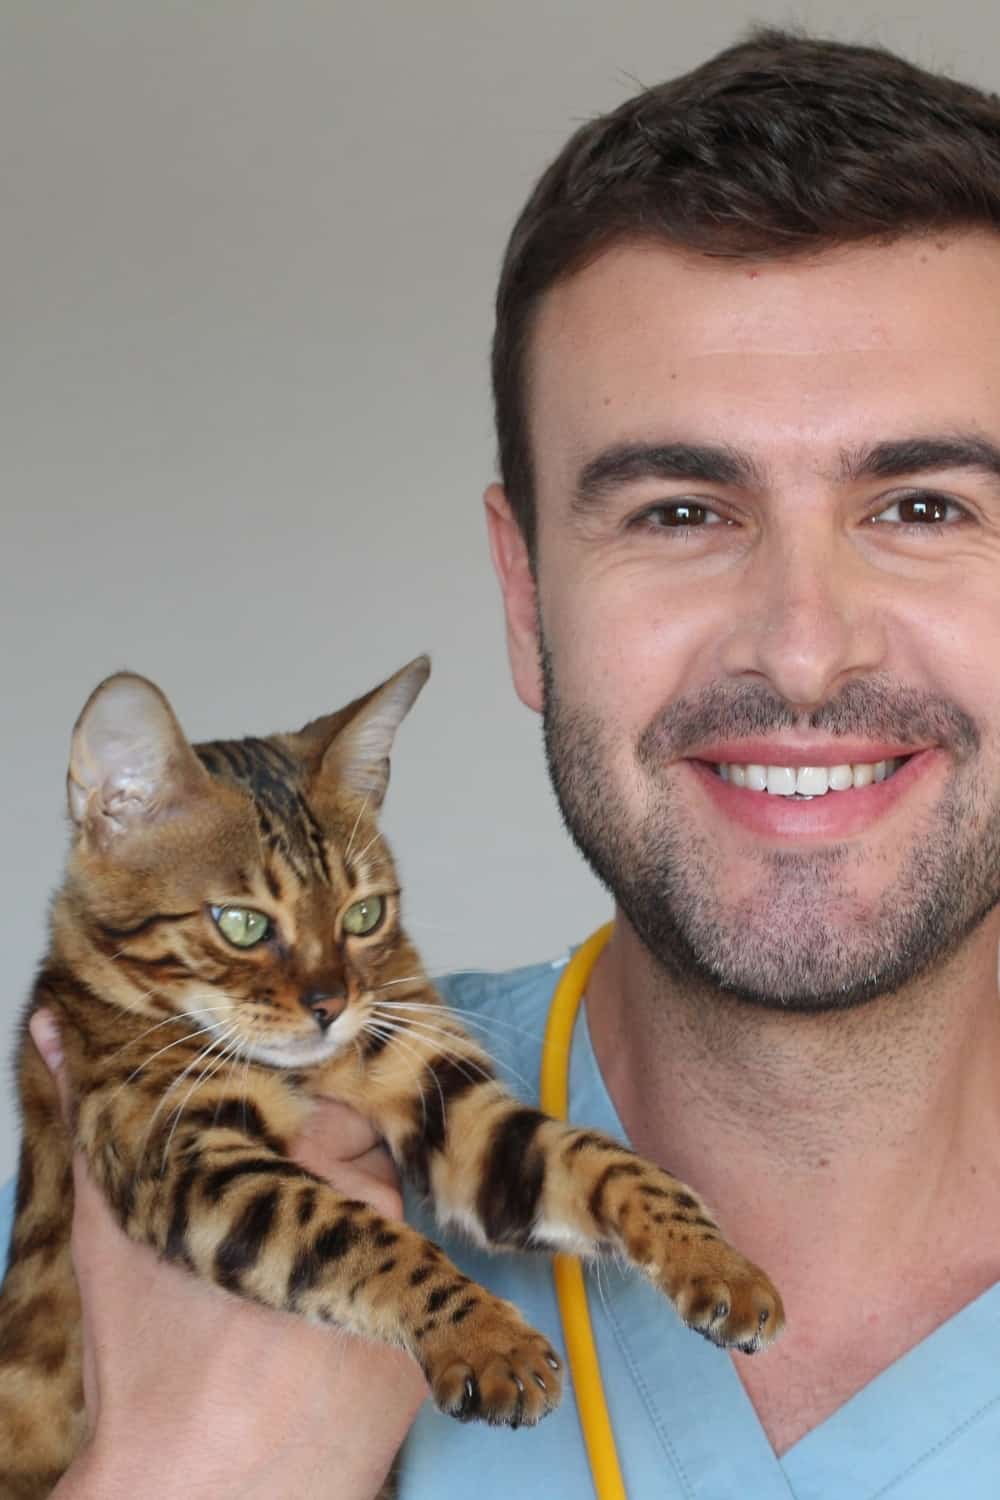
(806, 781)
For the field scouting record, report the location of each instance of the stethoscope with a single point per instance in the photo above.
(571, 1292)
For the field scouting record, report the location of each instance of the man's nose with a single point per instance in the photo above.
(808, 618)
(325, 1003)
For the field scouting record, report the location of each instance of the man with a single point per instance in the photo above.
(747, 376)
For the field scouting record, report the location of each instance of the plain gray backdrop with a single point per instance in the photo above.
(246, 269)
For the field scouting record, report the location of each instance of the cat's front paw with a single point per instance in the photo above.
(725, 1297)
(491, 1366)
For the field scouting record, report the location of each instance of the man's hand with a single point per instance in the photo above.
(193, 1392)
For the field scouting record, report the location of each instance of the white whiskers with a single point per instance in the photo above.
(223, 1039)
(198, 1031)
(423, 1032)
(230, 1055)
(361, 854)
(180, 1015)
(446, 1008)
(357, 823)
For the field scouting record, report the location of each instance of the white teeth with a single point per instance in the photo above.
(811, 780)
(806, 781)
(781, 781)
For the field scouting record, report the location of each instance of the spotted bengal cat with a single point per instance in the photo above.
(226, 945)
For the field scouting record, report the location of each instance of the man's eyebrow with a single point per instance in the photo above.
(716, 463)
(626, 463)
(922, 455)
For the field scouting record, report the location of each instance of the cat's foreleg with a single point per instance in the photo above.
(232, 1208)
(516, 1179)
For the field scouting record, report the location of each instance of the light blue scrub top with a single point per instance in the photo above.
(928, 1428)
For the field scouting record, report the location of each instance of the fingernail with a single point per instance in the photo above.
(45, 1034)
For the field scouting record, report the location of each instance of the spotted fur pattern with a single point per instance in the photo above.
(192, 1064)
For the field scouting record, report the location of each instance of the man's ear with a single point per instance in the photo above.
(520, 599)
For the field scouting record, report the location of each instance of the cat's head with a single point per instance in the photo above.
(243, 883)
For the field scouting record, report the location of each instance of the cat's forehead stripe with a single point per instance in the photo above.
(315, 835)
(273, 779)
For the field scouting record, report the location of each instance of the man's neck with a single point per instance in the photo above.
(855, 1155)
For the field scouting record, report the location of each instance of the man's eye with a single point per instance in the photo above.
(921, 510)
(679, 513)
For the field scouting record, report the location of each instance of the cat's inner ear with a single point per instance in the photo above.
(358, 739)
(129, 763)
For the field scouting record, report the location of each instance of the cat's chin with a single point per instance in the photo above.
(296, 1052)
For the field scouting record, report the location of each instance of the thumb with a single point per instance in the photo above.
(45, 1035)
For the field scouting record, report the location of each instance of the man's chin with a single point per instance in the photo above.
(792, 984)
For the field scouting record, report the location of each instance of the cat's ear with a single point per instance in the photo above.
(129, 762)
(352, 747)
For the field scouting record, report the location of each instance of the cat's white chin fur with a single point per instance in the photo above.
(297, 1051)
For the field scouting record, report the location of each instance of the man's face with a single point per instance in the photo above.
(769, 536)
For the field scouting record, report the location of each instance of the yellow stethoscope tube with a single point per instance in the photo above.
(566, 1271)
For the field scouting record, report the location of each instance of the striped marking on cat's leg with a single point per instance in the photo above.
(247, 1218)
(599, 1190)
(347, 1265)
(514, 1178)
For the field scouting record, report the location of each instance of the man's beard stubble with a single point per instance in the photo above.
(664, 875)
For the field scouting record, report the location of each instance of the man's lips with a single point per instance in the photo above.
(837, 815)
(773, 752)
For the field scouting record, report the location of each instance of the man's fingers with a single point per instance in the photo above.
(336, 1133)
(379, 1164)
(45, 1035)
(342, 1147)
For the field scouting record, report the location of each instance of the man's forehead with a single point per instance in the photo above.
(846, 349)
(851, 296)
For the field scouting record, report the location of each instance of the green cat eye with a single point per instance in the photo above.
(241, 925)
(364, 916)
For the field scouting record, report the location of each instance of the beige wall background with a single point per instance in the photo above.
(247, 258)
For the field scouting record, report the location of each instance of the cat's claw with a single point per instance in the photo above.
(733, 1305)
(491, 1369)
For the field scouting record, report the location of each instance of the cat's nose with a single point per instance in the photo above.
(325, 1005)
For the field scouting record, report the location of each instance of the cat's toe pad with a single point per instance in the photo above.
(734, 1306)
(495, 1368)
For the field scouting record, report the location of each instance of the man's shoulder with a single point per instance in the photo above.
(481, 989)
(506, 1012)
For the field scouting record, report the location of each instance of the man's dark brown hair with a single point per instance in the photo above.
(777, 146)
